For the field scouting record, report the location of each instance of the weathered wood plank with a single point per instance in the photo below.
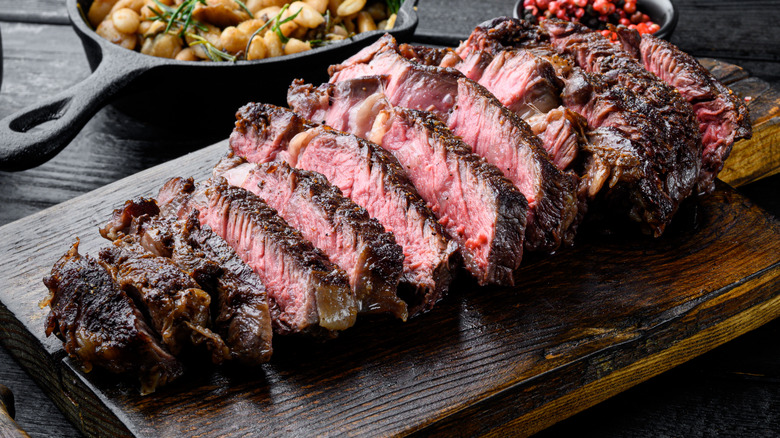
(759, 157)
(542, 340)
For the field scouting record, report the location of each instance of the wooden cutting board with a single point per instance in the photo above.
(580, 326)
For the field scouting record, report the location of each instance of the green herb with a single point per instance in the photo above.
(243, 6)
(275, 28)
(394, 5)
(211, 51)
(181, 16)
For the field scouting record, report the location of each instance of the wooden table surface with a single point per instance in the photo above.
(732, 391)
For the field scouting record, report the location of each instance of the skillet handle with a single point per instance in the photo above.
(23, 147)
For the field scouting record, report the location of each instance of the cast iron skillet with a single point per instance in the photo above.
(192, 96)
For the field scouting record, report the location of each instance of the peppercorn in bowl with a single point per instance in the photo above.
(657, 17)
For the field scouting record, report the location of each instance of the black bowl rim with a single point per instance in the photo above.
(664, 32)
(407, 15)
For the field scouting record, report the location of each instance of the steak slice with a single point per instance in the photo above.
(492, 131)
(370, 176)
(563, 133)
(340, 228)
(308, 293)
(178, 308)
(723, 117)
(482, 210)
(100, 325)
(238, 295)
(682, 151)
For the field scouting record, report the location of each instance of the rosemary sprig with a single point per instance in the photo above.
(212, 52)
(243, 6)
(394, 5)
(181, 16)
(275, 28)
(165, 17)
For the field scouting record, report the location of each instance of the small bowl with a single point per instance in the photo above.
(661, 12)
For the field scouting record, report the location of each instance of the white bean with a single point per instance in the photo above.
(135, 5)
(296, 46)
(350, 7)
(365, 22)
(187, 54)
(233, 40)
(99, 11)
(257, 49)
(126, 20)
(307, 17)
(391, 22)
(107, 30)
(318, 5)
(250, 26)
(273, 44)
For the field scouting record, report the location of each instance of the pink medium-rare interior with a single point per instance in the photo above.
(293, 295)
(331, 154)
(448, 187)
(278, 189)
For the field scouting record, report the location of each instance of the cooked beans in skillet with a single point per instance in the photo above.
(230, 30)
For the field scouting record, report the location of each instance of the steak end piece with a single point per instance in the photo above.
(240, 308)
(333, 223)
(723, 117)
(178, 308)
(101, 326)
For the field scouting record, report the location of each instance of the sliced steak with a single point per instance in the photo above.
(340, 228)
(619, 120)
(241, 313)
(723, 117)
(308, 293)
(493, 131)
(370, 176)
(682, 151)
(482, 210)
(178, 308)
(100, 325)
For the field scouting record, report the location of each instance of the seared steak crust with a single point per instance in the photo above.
(100, 325)
(723, 117)
(239, 301)
(340, 228)
(178, 308)
(595, 53)
(309, 294)
(370, 176)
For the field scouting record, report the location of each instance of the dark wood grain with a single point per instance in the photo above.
(731, 391)
(498, 357)
(8, 427)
